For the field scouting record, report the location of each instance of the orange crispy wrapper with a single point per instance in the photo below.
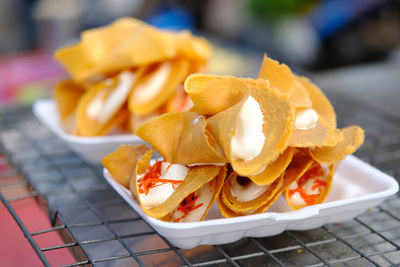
(282, 78)
(353, 138)
(196, 178)
(122, 162)
(141, 103)
(278, 115)
(187, 140)
(230, 206)
(324, 183)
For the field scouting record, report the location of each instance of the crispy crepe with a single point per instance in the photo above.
(67, 94)
(195, 179)
(353, 138)
(310, 188)
(157, 85)
(102, 106)
(122, 162)
(231, 205)
(282, 78)
(182, 138)
(275, 169)
(212, 94)
(320, 135)
(278, 116)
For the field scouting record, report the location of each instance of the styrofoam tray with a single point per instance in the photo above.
(356, 187)
(91, 149)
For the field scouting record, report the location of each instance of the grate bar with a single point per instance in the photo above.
(307, 248)
(49, 230)
(352, 247)
(75, 264)
(266, 251)
(229, 259)
(21, 197)
(59, 246)
(22, 183)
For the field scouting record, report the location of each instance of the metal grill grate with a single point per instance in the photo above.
(101, 229)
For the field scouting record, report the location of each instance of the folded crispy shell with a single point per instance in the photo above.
(195, 178)
(181, 138)
(353, 138)
(320, 135)
(212, 94)
(230, 206)
(275, 169)
(320, 103)
(282, 78)
(323, 194)
(278, 115)
(217, 183)
(66, 95)
(178, 70)
(192, 47)
(122, 162)
(300, 163)
(88, 126)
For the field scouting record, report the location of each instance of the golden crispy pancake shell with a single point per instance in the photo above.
(278, 115)
(122, 162)
(323, 195)
(353, 138)
(196, 178)
(66, 95)
(275, 169)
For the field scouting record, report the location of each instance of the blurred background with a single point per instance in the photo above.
(311, 36)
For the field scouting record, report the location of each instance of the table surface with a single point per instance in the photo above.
(101, 229)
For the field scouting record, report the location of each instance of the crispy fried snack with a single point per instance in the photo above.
(157, 61)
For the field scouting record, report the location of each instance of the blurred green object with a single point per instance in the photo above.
(272, 10)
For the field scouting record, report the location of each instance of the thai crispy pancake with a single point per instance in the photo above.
(67, 94)
(353, 138)
(311, 188)
(124, 44)
(195, 179)
(191, 202)
(282, 78)
(278, 116)
(180, 101)
(181, 138)
(157, 85)
(212, 94)
(275, 169)
(192, 47)
(92, 118)
(300, 163)
(230, 206)
(320, 135)
(320, 103)
(122, 162)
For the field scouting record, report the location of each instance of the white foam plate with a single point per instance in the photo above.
(91, 149)
(356, 187)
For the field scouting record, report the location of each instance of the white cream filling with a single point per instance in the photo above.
(204, 194)
(306, 119)
(248, 192)
(248, 140)
(102, 109)
(163, 191)
(148, 90)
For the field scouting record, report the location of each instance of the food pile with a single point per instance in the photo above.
(244, 143)
(124, 74)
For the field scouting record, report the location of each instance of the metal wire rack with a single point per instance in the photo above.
(100, 229)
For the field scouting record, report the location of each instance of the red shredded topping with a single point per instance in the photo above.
(313, 172)
(152, 179)
(188, 205)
